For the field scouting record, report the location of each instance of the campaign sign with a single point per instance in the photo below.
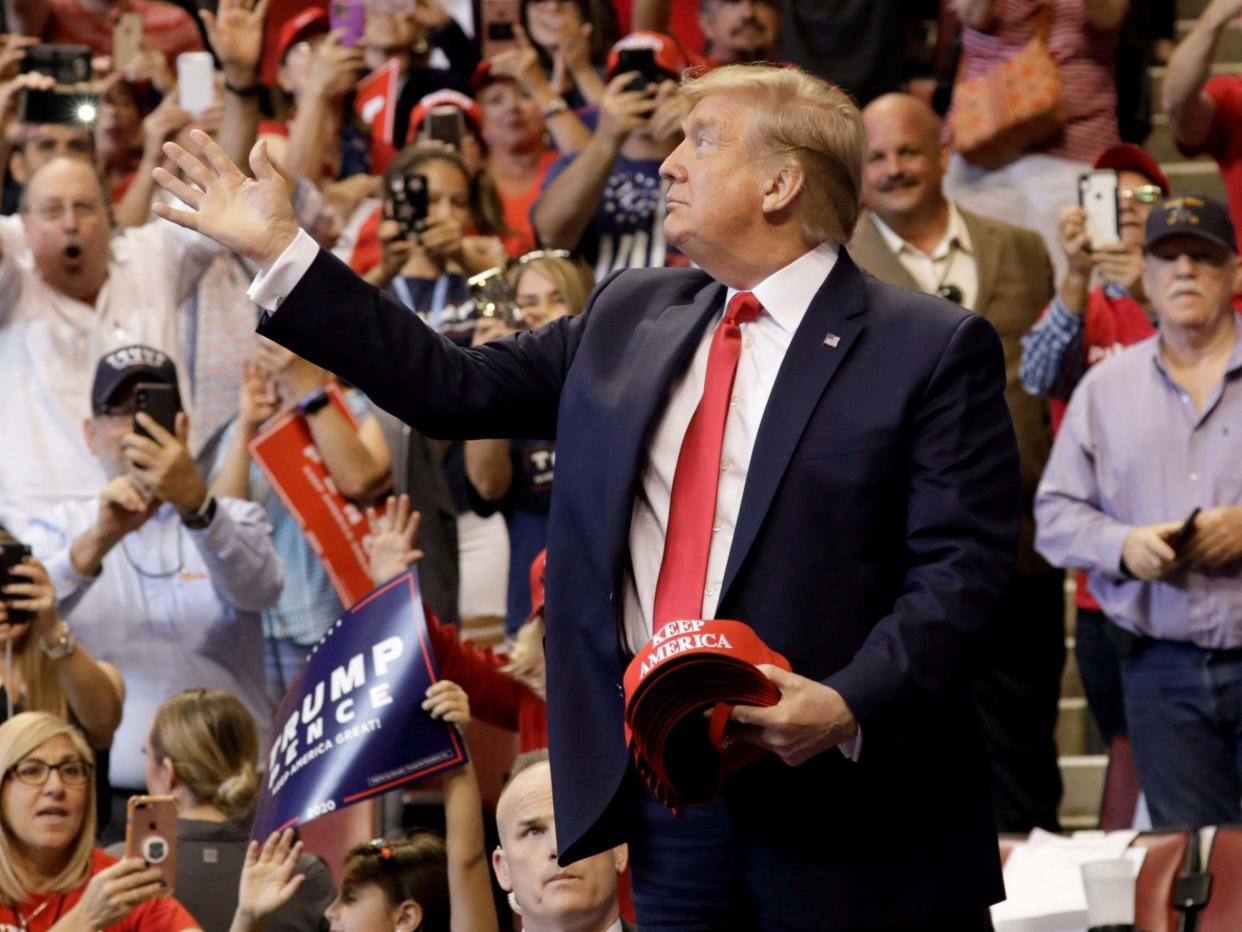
(352, 724)
(335, 527)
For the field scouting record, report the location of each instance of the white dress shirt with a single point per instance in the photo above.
(952, 262)
(50, 344)
(171, 608)
(785, 295)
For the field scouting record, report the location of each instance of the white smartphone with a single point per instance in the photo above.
(1097, 195)
(196, 82)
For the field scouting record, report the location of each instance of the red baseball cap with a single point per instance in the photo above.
(669, 56)
(537, 568)
(310, 22)
(1127, 157)
(467, 105)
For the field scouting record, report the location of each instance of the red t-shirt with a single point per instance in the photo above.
(517, 211)
(43, 910)
(683, 21)
(165, 27)
(1224, 141)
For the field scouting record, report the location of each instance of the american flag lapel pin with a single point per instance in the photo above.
(831, 340)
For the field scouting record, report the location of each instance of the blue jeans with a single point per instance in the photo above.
(284, 660)
(1184, 712)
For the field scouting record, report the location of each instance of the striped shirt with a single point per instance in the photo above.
(1086, 59)
(165, 27)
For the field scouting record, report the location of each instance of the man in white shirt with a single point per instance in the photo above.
(865, 427)
(155, 575)
(69, 292)
(913, 236)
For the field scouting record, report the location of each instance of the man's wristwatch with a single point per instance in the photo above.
(62, 647)
(198, 520)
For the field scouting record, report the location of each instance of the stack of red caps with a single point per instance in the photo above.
(686, 667)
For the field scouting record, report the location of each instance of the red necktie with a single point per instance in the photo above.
(692, 507)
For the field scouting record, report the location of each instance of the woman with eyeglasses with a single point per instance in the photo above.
(46, 670)
(424, 883)
(203, 750)
(53, 877)
(514, 477)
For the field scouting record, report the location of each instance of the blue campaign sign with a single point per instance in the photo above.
(351, 725)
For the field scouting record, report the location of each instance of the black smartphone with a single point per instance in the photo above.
(65, 64)
(407, 203)
(1184, 533)
(444, 125)
(62, 108)
(642, 61)
(159, 400)
(12, 552)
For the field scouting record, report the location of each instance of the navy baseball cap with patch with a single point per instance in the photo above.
(1190, 215)
(128, 366)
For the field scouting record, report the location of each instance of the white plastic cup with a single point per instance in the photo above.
(1110, 887)
(196, 82)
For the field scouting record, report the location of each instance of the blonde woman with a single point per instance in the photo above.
(514, 477)
(203, 750)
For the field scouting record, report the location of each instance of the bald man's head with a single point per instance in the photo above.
(906, 159)
(68, 226)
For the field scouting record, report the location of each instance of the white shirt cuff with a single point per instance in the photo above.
(852, 748)
(270, 288)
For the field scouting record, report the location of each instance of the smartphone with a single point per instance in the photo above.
(196, 82)
(350, 16)
(642, 61)
(1182, 537)
(407, 203)
(151, 834)
(64, 64)
(444, 124)
(62, 108)
(493, 296)
(158, 400)
(126, 39)
(12, 552)
(1097, 195)
(499, 18)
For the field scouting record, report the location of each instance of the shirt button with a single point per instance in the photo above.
(724, 465)
(1194, 477)
(748, 343)
(733, 402)
(709, 591)
(716, 527)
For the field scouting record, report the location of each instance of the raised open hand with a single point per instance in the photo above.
(268, 880)
(235, 32)
(253, 217)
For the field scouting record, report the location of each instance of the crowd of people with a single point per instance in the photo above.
(162, 592)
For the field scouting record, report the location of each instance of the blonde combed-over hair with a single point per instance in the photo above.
(213, 743)
(20, 736)
(799, 115)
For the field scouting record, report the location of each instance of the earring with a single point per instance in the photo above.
(513, 904)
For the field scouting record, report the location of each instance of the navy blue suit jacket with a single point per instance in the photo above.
(877, 530)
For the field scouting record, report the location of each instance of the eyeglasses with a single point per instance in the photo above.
(54, 211)
(1144, 194)
(34, 772)
(125, 410)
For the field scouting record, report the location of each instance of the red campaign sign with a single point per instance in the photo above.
(375, 101)
(334, 525)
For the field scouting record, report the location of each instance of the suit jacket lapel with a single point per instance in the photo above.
(808, 367)
(664, 353)
(875, 256)
(986, 245)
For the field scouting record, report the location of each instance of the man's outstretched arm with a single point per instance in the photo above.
(327, 314)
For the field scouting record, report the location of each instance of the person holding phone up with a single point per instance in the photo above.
(157, 576)
(1150, 437)
(52, 877)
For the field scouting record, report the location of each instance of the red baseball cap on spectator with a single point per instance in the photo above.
(669, 56)
(536, 583)
(467, 105)
(312, 21)
(1127, 157)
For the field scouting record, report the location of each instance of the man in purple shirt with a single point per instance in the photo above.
(1144, 492)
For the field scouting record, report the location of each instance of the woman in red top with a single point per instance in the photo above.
(53, 877)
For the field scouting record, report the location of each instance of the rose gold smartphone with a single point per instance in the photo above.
(151, 834)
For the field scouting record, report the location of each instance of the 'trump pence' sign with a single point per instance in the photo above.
(352, 725)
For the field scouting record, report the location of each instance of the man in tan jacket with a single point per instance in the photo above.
(912, 235)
